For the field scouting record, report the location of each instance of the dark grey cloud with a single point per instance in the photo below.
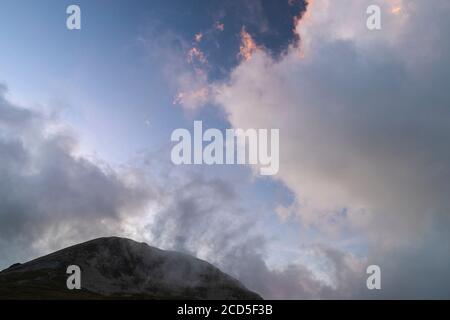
(48, 194)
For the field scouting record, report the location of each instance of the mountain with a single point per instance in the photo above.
(118, 268)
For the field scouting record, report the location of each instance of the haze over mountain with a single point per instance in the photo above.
(120, 268)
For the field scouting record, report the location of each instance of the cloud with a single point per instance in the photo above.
(49, 195)
(362, 130)
(298, 280)
(184, 66)
(198, 37)
(203, 216)
(192, 99)
(195, 55)
(248, 46)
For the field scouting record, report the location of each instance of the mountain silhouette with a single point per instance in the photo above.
(118, 268)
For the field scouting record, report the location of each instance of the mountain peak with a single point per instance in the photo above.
(114, 267)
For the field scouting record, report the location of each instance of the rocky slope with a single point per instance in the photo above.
(117, 268)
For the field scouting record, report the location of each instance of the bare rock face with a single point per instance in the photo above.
(117, 268)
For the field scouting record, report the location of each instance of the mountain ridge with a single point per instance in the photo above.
(120, 268)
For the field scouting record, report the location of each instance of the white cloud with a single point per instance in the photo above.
(363, 116)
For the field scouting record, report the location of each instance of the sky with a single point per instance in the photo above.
(86, 118)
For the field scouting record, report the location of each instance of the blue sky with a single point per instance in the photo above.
(128, 87)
